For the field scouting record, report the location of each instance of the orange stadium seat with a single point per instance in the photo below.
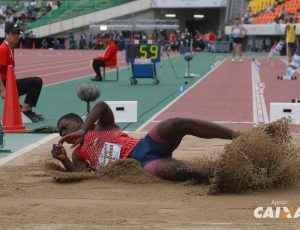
(258, 7)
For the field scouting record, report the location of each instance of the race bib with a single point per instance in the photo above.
(110, 152)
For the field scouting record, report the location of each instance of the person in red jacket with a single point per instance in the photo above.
(109, 58)
(31, 86)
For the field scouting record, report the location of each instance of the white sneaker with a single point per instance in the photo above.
(232, 59)
(241, 59)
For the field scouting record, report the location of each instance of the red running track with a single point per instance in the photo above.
(224, 96)
(57, 65)
(278, 91)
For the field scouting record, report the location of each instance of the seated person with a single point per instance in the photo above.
(154, 151)
(109, 58)
(31, 87)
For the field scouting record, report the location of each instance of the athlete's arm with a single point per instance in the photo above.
(286, 30)
(2, 87)
(59, 153)
(80, 165)
(245, 30)
(101, 113)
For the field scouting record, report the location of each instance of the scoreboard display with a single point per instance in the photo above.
(149, 52)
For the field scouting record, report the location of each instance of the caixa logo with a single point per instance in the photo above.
(283, 212)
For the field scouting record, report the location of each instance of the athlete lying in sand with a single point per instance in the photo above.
(154, 151)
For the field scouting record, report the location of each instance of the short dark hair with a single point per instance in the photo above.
(72, 116)
(291, 19)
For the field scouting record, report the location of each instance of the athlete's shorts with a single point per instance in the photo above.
(238, 40)
(152, 148)
(292, 45)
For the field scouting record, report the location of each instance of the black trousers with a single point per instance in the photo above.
(96, 66)
(30, 86)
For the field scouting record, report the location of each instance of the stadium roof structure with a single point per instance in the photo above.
(136, 24)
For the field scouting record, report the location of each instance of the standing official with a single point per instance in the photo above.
(238, 33)
(290, 33)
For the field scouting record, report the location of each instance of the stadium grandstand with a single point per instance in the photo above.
(269, 11)
(63, 24)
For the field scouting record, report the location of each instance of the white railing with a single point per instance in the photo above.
(264, 29)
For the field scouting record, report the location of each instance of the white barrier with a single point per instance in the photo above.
(124, 111)
(264, 29)
(288, 110)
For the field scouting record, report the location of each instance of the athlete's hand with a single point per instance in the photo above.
(74, 138)
(59, 152)
(2, 93)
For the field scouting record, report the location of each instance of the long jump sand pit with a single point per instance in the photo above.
(31, 199)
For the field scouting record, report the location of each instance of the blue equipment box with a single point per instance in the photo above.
(143, 70)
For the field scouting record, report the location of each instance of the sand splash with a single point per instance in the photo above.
(125, 170)
(260, 158)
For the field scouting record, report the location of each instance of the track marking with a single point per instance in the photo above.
(177, 98)
(28, 148)
(260, 114)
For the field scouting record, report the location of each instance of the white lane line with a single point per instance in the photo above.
(177, 98)
(260, 113)
(264, 108)
(28, 148)
(254, 102)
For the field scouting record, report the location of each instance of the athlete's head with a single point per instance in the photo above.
(12, 32)
(237, 21)
(69, 123)
(106, 37)
(291, 19)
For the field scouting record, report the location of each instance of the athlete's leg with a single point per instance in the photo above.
(175, 129)
(289, 51)
(163, 139)
(31, 87)
(233, 51)
(96, 66)
(177, 170)
(240, 50)
(293, 65)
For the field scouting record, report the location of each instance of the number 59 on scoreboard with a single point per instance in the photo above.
(143, 51)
